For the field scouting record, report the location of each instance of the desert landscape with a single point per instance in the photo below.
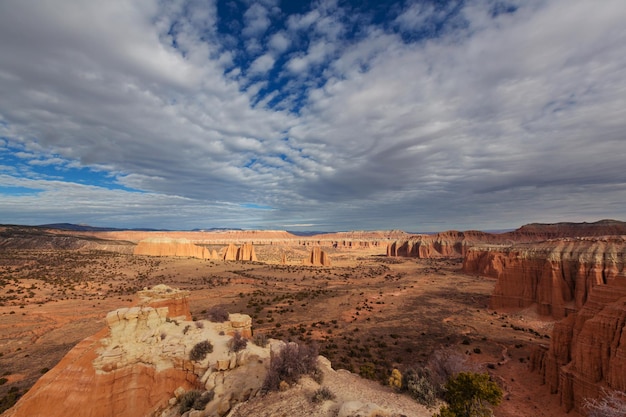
(541, 309)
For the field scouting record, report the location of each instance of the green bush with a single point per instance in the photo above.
(200, 350)
(470, 394)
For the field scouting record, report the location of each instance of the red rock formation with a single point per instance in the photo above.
(230, 253)
(318, 258)
(582, 280)
(171, 247)
(588, 348)
(176, 301)
(77, 387)
(451, 244)
(456, 244)
(556, 275)
(246, 253)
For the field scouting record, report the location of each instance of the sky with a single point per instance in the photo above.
(323, 115)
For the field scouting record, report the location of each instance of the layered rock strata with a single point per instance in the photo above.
(172, 247)
(456, 244)
(449, 244)
(556, 275)
(136, 365)
(583, 282)
(588, 348)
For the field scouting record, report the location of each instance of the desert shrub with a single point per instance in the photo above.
(610, 404)
(395, 380)
(194, 399)
(238, 342)
(9, 399)
(3, 381)
(200, 350)
(322, 395)
(217, 314)
(289, 364)
(470, 394)
(260, 340)
(420, 386)
(367, 370)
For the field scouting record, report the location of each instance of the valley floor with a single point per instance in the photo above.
(368, 313)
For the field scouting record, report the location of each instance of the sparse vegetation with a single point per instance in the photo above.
(194, 399)
(289, 364)
(470, 394)
(395, 380)
(611, 403)
(217, 314)
(322, 394)
(260, 339)
(419, 385)
(238, 342)
(200, 350)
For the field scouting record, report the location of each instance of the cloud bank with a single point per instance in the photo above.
(186, 114)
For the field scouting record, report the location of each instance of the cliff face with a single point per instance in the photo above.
(451, 244)
(171, 247)
(557, 275)
(317, 258)
(588, 348)
(583, 282)
(134, 366)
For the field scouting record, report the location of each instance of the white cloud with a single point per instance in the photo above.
(496, 122)
(262, 64)
(256, 20)
(279, 42)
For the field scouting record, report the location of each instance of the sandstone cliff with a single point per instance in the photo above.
(165, 246)
(455, 244)
(588, 348)
(583, 282)
(451, 244)
(556, 275)
(243, 253)
(137, 363)
(317, 258)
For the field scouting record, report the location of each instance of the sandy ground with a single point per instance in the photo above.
(365, 310)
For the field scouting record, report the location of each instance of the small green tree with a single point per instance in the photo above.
(470, 395)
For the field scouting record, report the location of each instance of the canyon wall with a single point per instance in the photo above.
(556, 275)
(581, 281)
(451, 244)
(165, 246)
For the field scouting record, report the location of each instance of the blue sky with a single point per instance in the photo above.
(324, 115)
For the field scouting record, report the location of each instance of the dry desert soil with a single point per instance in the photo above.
(368, 313)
